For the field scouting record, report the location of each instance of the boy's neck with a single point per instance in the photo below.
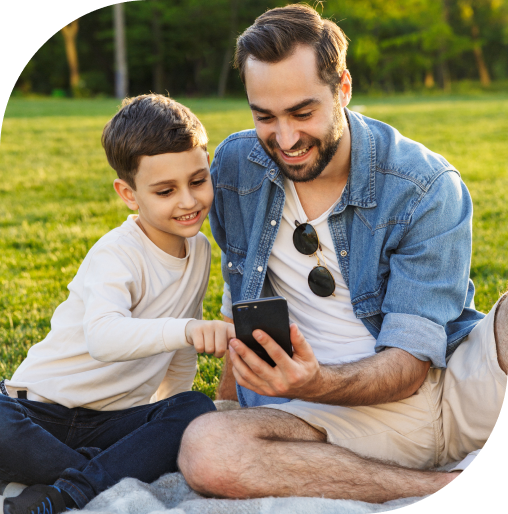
(169, 243)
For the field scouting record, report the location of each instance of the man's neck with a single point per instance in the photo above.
(318, 195)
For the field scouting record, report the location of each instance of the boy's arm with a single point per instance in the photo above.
(111, 290)
(180, 375)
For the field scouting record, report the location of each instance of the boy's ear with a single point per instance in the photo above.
(208, 158)
(126, 193)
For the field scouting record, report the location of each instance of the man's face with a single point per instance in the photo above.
(298, 120)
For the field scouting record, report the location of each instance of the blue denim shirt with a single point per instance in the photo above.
(402, 236)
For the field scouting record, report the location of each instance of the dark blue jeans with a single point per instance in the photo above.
(84, 452)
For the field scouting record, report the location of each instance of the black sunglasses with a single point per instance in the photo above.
(306, 241)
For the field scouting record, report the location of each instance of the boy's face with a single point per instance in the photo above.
(173, 196)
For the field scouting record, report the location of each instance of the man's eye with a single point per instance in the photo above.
(164, 193)
(303, 116)
(264, 118)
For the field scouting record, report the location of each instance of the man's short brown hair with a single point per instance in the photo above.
(149, 125)
(277, 32)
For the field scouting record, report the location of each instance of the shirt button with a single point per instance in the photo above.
(273, 223)
(230, 264)
(260, 269)
(343, 253)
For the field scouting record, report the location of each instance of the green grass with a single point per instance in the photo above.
(56, 197)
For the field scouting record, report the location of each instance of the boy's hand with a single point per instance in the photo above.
(210, 336)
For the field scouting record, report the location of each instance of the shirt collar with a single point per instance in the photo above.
(362, 175)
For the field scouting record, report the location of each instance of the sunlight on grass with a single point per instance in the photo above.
(56, 198)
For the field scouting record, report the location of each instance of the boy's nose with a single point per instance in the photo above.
(187, 200)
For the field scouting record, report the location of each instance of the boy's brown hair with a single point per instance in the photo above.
(275, 34)
(149, 125)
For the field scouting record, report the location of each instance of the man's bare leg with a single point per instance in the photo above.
(501, 332)
(260, 452)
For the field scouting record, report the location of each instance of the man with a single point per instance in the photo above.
(393, 371)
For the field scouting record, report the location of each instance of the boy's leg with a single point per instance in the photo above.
(89, 451)
(149, 450)
(29, 453)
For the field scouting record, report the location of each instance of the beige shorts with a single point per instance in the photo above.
(451, 415)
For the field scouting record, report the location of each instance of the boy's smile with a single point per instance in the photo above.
(173, 196)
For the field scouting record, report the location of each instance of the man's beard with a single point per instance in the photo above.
(326, 149)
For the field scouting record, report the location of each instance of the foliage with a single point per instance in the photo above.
(394, 46)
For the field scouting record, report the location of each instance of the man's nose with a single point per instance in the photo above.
(286, 135)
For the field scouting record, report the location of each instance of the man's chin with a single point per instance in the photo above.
(300, 172)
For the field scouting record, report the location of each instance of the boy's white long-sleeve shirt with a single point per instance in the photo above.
(120, 335)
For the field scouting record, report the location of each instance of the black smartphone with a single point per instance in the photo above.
(267, 314)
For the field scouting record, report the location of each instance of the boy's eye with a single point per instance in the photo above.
(166, 192)
(198, 182)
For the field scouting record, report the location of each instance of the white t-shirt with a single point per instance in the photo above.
(120, 335)
(328, 324)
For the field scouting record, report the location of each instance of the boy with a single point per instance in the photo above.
(76, 413)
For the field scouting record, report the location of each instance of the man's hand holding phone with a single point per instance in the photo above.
(293, 377)
(209, 336)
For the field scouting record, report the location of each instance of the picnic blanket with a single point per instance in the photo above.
(171, 494)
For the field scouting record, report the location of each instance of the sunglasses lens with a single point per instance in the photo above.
(305, 239)
(321, 282)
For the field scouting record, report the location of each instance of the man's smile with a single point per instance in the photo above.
(296, 156)
(297, 153)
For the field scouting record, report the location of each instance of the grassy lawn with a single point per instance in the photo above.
(56, 197)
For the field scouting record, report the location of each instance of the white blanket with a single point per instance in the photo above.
(171, 495)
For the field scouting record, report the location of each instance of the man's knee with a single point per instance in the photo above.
(207, 446)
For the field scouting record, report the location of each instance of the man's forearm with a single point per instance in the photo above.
(388, 376)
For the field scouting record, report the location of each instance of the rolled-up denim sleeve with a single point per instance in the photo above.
(429, 272)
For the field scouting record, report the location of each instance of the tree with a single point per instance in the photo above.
(468, 15)
(121, 74)
(228, 52)
(159, 78)
(70, 33)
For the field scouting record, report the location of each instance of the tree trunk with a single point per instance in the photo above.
(443, 68)
(228, 53)
(158, 65)
(121, 72)
(478, 54)
(444, 75)
(70, 33)
(429, 79)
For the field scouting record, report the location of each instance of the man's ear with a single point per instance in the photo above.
(346, 88)
(126, 193)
